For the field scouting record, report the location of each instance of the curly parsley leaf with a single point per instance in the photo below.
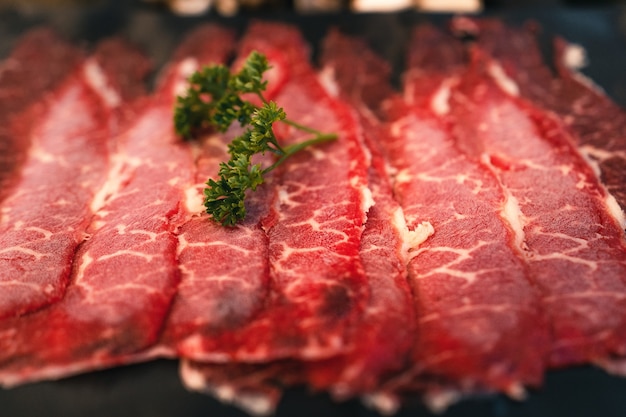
(215, 99)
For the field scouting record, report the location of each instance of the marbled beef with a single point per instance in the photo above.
(45, 217)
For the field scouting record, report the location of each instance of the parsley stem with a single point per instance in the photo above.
(302, 127)
(260, 96)
(296, 147)
(293, 123)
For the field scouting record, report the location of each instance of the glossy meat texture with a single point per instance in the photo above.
(22, 86)
(314, 225)
(383, 341)
(453, 240)
(45, 217)
(224, 270)
(479, 324)
(598, 123)
(573, 246)
(125, 273)
(382, 344)
(479, 319)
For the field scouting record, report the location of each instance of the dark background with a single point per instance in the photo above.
(600, 29)
(153, 389)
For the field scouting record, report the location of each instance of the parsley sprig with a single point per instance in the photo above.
(217, 98)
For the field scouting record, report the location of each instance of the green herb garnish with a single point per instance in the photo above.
(215, 99)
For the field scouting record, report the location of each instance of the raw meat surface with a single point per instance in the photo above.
(382, 346)
(45, 217)
(314, 224)
(224, 270)
(598, 124)
(125, 273)
(383, 343)
(454, 240)
(479, 323)
(22, 83)
(452, 294)
(572, 245)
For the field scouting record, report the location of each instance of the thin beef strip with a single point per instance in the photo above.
(382, 344)
(125, 272)
(598, 123)
(45, 217)
(22, 83)
(314, 225)
(572, 244)
(479, 320)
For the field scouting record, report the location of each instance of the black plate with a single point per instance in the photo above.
(153, 389)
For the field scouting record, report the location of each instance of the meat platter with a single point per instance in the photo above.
(153, 389)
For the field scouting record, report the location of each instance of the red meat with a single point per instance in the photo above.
(45, 217)
(573, 246)
(598, 124)
(124, 273)
(313, 229)
(22, 83)
(478, 316)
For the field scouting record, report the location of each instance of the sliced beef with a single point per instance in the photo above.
(22, 84)
(451, 241)
(124, 273)
(383, 343)
(27, 94)
(382, 347)
(317, 220)
(45, 217)
(479, 320)
(515, 211)
(598, 124)
(467, 275)
(314, 225)
(257, 387)
(224, 270)
(573, 246)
